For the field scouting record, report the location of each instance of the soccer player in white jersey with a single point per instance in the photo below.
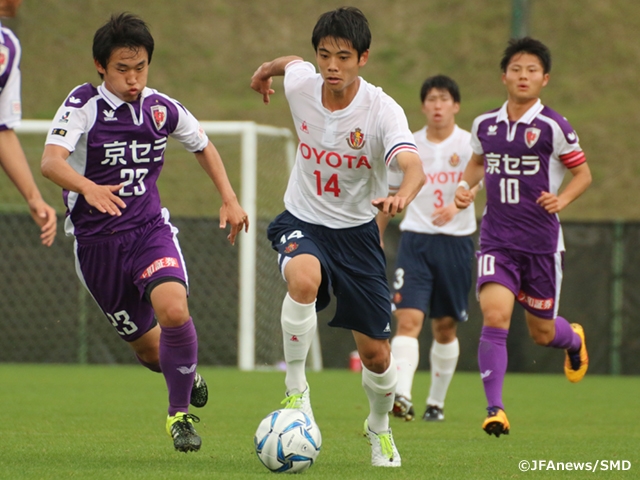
(433, 268)
(106, 150)
(12, 157)
(327, 238)
(523, 150)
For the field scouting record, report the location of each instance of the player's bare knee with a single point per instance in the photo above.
(303, 288)
(173, 315)
(542, 338)
(376, 363)
(444, 330)
(495, 319)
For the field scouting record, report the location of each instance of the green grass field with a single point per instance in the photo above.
(107, 422)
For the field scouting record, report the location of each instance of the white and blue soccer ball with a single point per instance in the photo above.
(287, 441)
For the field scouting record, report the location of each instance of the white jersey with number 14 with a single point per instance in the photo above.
(342, 158)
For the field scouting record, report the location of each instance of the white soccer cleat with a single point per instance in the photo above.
(300, 401)
(383, 449)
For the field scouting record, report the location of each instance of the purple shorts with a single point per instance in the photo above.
(118, 271)
(534, 279)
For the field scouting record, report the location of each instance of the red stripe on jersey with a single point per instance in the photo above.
(399, 148)
(573, 159)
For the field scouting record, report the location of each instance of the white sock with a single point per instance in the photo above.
(299, 323)
(406, 352)
(380, 388)
(444, 358)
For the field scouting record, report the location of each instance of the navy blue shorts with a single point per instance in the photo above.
(433, 274)
(353, 267)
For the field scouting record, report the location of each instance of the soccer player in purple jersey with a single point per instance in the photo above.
(106, 150)
(327, 238)
(12, 157)
(523, 150)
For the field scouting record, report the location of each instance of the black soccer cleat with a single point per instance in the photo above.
(433, 414)
(180, 428)
(199, 392)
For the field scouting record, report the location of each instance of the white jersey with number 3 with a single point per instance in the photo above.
(342, 158)
(443, 165)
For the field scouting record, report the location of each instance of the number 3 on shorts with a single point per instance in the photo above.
(399, 281)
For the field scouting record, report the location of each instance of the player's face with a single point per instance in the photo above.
(126, 73)
(524, 77)
(439, 108)
(339, 65)
(9, 8)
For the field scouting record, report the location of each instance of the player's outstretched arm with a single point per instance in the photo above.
(54, 166)
(231, 212)
(263, 76)
(576, 187)
(472, 175)
(15, 164)
(412, 182)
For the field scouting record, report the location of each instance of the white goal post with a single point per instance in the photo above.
(249, 133)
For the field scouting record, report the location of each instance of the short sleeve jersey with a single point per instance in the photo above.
(342, 157)
(10, 104)
(522, 160)
(113, 142)
(443, 165)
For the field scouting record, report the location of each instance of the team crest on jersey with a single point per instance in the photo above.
(159, 113)
(293, 246)
(4, 58)
(356, 139)
(397, 298)
(454, 161)
(531, 136)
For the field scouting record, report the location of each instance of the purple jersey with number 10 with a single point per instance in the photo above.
(113, 142)
(522, 160)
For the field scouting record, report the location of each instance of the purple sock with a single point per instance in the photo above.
(565, 337)
(492, 360)
(178, 360)
(154, 367)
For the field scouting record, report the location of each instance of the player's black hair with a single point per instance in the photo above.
(122, 30)
(345, 23)
(440, 82)
(527, 45)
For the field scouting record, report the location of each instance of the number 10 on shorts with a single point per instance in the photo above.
(486, 265)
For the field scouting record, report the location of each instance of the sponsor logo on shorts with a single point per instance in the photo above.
(59, 131)
(159, 265)
(293, 246)
(537, 303)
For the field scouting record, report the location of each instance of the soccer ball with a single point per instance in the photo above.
(287, 441)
